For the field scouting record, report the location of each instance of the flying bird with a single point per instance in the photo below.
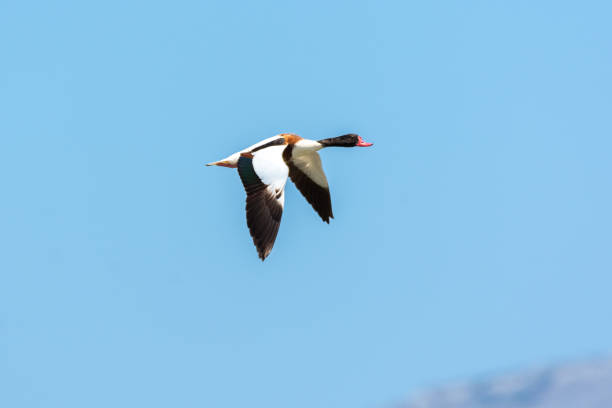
(263, 169)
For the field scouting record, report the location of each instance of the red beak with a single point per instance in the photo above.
(361, 143)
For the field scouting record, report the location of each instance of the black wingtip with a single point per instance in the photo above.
(262, 250)
(262, 254)
(326, 217)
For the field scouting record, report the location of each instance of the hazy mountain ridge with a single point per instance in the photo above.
(576, 385)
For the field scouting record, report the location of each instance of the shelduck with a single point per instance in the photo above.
(263, 169)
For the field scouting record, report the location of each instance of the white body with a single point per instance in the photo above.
(232, 160)
(304, 156)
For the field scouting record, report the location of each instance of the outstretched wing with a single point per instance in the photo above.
(306, 171)
(264, 174)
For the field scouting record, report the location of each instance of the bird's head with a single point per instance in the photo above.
(348, 140)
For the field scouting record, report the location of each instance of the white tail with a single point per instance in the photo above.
(230, 161)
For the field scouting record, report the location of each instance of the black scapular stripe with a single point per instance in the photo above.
(275, 142)
(317, 196)
(263, 211)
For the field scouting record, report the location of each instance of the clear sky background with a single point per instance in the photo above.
(474, 236)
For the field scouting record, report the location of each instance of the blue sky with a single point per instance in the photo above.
(473, 237)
